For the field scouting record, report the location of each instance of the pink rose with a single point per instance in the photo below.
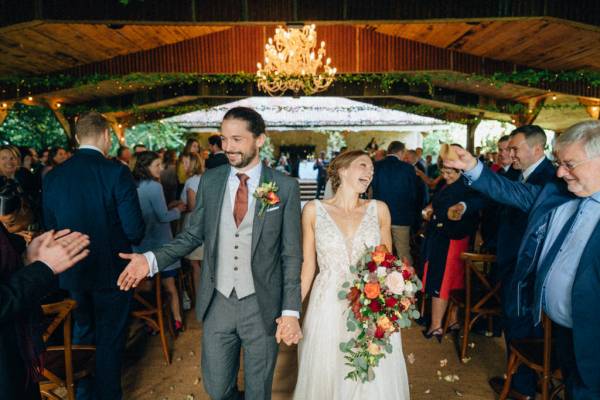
(395, 282)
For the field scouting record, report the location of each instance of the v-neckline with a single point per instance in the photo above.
(351, 238)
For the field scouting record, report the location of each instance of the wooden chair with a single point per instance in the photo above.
(154, 314)
(67, 363)
(535, 353)
(478, 299)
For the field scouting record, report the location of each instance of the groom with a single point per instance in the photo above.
(249, 293)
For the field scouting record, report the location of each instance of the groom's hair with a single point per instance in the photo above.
(256, 123)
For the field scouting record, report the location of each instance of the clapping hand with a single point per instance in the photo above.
(288, 330)
(464, 161)
(456, 212)
(134, 272)
(60, 250)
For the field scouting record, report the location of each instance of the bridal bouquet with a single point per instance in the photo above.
(381, 300)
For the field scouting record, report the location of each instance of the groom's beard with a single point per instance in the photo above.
(245, 158)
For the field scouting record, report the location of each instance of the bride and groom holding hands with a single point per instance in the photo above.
(260, 260)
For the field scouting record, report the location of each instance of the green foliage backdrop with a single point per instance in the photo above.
(32, 126)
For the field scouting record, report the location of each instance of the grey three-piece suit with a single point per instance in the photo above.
(249, 275)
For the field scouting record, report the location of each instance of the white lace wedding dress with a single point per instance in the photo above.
(322, 366)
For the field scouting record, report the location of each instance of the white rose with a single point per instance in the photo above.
(410, 288)
(381, 271)
(395, 282)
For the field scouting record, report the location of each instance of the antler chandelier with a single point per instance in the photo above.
(291, 63)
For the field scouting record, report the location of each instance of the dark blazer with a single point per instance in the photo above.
(23, 290)
(20, 294)
(215, 160)
(440, 230)
(97, 197)
(276, 244)
(512, 222)
(539, 202)
(396, 184)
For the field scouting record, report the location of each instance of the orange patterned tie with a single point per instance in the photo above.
(241, 200)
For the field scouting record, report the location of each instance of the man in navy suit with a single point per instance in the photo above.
(395, 183)
(558, 267)
(90, 194)
(525, 148)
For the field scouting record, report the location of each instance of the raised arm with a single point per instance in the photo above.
(499, 188)
(309, 252)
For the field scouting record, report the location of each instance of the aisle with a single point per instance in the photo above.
(147, 377)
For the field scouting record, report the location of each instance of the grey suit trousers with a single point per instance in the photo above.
(232, 323)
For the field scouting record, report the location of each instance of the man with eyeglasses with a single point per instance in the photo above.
(558, 266)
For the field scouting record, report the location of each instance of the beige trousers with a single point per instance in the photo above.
(401, 240)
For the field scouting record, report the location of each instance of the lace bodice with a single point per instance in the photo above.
(335, 252)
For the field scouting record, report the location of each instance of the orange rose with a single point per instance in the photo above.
(406, 303)
(385, 323)
(372, 290)
(378, 256)
(383, 248)
(272, 198)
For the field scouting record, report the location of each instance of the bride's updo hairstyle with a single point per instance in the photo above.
(342, 161)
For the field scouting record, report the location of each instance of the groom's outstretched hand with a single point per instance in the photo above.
(134, 272)
(288, 330)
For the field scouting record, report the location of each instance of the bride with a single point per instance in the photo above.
(335, 233)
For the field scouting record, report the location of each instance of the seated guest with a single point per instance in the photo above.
(21, 291)
(558, 268)
(21, 217)
(444, 241)
(157, 218)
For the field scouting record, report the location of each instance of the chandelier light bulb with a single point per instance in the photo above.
(294, 62)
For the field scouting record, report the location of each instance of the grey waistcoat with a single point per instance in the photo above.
(234, 253)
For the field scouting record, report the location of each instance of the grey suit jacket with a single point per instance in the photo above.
(276, 244)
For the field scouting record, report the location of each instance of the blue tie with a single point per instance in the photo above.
(546, 263)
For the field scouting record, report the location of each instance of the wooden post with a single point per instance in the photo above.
(61, 119)
(471, 128)
(4, 109)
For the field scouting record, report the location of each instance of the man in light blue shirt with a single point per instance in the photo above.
(558, 268)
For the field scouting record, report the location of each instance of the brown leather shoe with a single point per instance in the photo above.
(497, 383)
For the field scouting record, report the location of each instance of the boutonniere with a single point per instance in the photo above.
(267, 195)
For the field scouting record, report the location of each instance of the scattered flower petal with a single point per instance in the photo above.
(466, 360)
(443, 362)
(472, 345)
(459, 394)
(411, 358)
(428, 391)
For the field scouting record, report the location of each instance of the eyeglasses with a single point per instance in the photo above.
(570, 166)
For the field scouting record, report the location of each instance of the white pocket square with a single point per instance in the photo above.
(272, 209)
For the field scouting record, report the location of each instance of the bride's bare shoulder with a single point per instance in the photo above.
(310, 209)
(382, 210)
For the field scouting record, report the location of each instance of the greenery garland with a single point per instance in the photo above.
(384, 81)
